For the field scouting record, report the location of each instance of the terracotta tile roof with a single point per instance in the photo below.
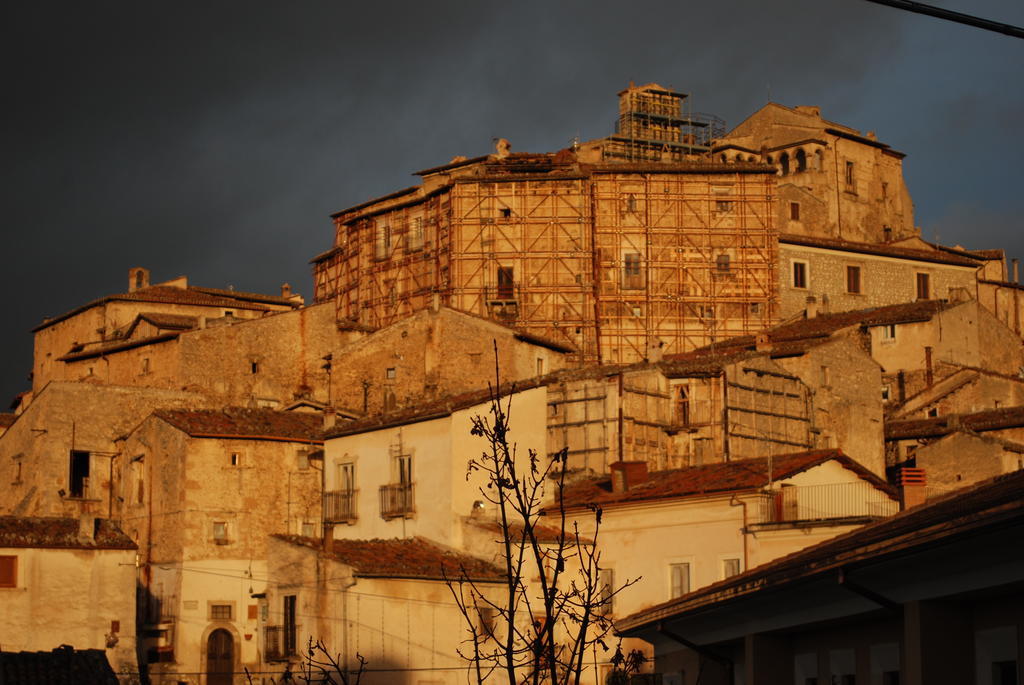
(239, 422)
(402, 558)
(7, 419)
(191, 295)
(37, 531)
(989, 420)
(64, 664)
(545, 534)
(726, 477)
(956, 514)
(170, 321)
(940, 256)
(92, 351)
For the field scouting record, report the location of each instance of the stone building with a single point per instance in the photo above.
(601, 251)
(201, 491)
(47, 564)
(833, 182)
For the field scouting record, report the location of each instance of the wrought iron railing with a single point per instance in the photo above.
(396, 500)
(821, 502)
(279, 642)
(340, 506)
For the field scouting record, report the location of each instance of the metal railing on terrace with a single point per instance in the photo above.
(340, 506)
(396, 500)
(790, 504)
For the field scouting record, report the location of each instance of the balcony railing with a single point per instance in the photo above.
(279, 642)
(823, 502)
(396, 500)
(340, 506)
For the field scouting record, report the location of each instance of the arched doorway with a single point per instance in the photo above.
(220, 658)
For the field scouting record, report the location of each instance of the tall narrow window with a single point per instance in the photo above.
(632, 277)
(730, 567)
(220, 532)
(289, 624)
(606, 583)
(784, 163)
(799, 274)
(79, 480)
(849, 174)
(506, 283)
(414, 240)
(382, 246)
(801, 160)
(853, 279)
(683, 406)
(923, 287)
(794, 211)
(680, 579)
(347, 477)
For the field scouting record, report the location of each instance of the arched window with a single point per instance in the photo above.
(784, 163)
(801, 160)
(724, 158)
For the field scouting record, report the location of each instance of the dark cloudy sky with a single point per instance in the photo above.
(214, 138)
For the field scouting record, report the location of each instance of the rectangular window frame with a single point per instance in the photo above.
(794, 211)
(680, 578)
(220, 610)
(79, 472)
(632, 271)
(923, 283)
(853, 279)
(799, 274)
(8, 571)
(220, 532)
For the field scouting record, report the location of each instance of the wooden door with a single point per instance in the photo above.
(220, 658)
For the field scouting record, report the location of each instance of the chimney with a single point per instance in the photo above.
(87, 527)
(286, 290)
(812, 307)
(138, 278)
(914, 485)
(762, 343)
(628, 474)
(929, 375)
(330, 418)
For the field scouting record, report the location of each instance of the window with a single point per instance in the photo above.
(347, 477)
(683, 405)
(540, 366)
(853, 280)
(221, 612)
(403, 463)
(485, 620)
(630, 203)
(79, 477)
(799, 274)
(801, 160)
(887, 233)
(722, 263)
(632, 278)
(382, 241)
(849, 174)
(308, 529)
(220, 532)
(723, 206)
(923, 289)
(8, 571)
(289, 624)
(680, 579)
(254, 367)
(302, 460)
(235, 459)
(886, 393)
(389, 373)
(889, 332)
(826, 377)
(414, 241)
(730, 567)
(794, 211)
(145, 365)
(506, 283)
(784, 163)
(506, 213)
(606, 586)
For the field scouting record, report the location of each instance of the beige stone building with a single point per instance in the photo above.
(833, 182)
(68, 581)
(201, 491)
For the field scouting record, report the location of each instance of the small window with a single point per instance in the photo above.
(886, 393)
(79, 480)
(923, 287)
(235, 459)
(887, 233)
(606, 586)
(730, 567)
(794, 211)
(889, 332)
(799, 274)
(683, 405)
(540, 366)
(486, 617)
(220, 612)
(722, 263)
(145, 365)
(254, 367)
(755, 307)
(8, 571)
(933, 412)
(853, 280)
(723, 206)
(632, 277)
(630, 203)
(826, 377)
(849, 174)
(680, 579)
(506, 282)
(506, 213)
(389, 373)
(220, 532)
(414, 241)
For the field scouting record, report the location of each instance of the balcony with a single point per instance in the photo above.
(396, 501)
(340, 506)
(816, 503)
(279, 642)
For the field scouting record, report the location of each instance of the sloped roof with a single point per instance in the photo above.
(402, 558)
(954, 515)
(545, 534)
(7, 419)
(52, 532)
(190, 295)
(988, 420)
(180, 322)
(64, 664)
(733, 476)
(937, 256)
(240, 422)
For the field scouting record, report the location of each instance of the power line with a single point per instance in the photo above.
(958, 17)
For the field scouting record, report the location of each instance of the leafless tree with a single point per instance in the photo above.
(555, 603)
(319, 666)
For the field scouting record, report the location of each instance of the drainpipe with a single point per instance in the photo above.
(735, 501)
(621, 421)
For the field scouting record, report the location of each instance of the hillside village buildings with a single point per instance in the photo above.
(740, 339)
